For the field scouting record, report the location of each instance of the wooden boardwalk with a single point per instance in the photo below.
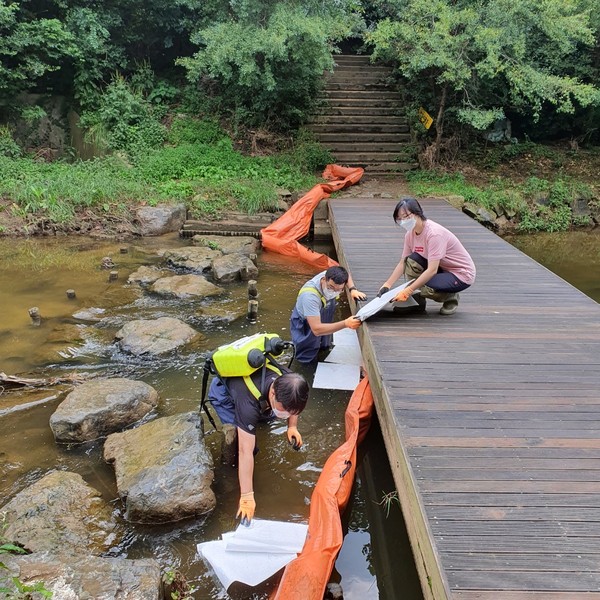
(491, 417)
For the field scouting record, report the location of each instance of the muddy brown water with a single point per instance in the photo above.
(38, 272)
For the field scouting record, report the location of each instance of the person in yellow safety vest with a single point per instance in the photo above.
(311, 323)
(268, 393)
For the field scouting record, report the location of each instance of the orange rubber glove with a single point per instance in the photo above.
(357, 294)
(403, 295)
(294, 438)
(246, 508)
(352, 323)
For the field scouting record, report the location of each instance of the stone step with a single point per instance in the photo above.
(368, 128)
(367, 141)
(367, 71)
(347, 103)
(366, 94)
(389, 168)
(360, 157)
(375, 87)
(362, 117)
(345, 147)
(393, 110)
(350, 76)
(352, 58)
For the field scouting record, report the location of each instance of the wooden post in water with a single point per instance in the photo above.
(252, 301)
(252, 310)
(70, 294)
(252, 291)
(34, 313)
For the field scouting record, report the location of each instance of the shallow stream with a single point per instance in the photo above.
(38, 272)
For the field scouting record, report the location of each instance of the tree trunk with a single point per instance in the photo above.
(439, 125)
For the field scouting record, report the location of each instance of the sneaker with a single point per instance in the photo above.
(450, 305)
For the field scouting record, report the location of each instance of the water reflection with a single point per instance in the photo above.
(572, 255)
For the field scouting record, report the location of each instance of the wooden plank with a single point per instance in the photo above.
(480, 561)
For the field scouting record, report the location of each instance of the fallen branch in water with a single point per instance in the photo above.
(12, 380)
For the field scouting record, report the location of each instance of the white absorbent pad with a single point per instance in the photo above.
(251, 554)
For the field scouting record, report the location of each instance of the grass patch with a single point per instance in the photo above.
(198, 165)
(536, 204)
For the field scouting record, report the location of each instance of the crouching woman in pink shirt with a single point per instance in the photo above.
(433, 257)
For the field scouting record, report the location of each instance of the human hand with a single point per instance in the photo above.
(353, 322)
(357, 294)
(403, 295)
(246, 508)
(294, 438)
(383, 290)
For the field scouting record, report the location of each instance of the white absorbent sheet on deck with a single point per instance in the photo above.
(332, 376)
(252, 554)
(377, 304)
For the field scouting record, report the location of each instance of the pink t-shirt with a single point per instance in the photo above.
(437, 243)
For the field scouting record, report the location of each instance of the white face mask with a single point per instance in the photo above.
(281, 414)
(408, 224)
(329, 294)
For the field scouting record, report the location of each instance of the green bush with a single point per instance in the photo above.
(8, 146)
(123, 120)
(187, 130)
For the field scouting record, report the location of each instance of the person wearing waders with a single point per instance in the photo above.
(270, 392)
(433, 257)
(311, 323)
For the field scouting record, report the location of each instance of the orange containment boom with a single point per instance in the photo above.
(283, 234)
(306, 577)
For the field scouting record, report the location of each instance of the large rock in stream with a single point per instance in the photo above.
(97, 408)
(242, 244)
(233, 267)
(155, 336)
(192, 258)
(156, 220)
(163, 469)
(63, 515)
(89, 577)
(185, 286)
(66, 525)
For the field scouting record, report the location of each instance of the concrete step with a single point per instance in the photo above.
(368, 128)
(367, 141)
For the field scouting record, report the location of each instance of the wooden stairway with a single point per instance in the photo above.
(361, 120)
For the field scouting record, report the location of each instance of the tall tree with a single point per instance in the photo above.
(476, 59)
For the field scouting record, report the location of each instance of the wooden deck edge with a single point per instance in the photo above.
(433, 582)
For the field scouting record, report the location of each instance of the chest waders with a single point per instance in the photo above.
(242, 358)
(306, 342)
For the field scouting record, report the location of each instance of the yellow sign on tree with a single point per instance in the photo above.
(425, 118)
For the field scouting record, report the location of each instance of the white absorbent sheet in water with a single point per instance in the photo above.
(252, 554)
(346, 349)
(377, 304)
(332, 376)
